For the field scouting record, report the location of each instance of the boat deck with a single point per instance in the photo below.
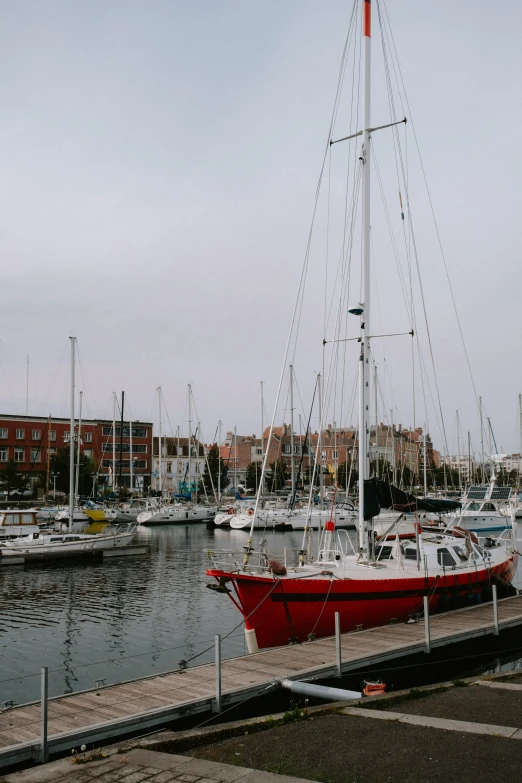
(150, 703)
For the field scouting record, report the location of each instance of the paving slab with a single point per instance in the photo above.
(215, 770)
(151, 758)
(377, 714)
(459, 725)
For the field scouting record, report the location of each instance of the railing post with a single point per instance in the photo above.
(44, 682)
(495, 610)
(427, 648)
(338, 656)
(218, 673)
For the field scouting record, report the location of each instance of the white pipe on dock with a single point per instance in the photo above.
(320, 691)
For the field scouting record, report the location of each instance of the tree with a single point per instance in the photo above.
(277, 477)
(211, 471)
(253, 475)
(12, 478)
(60, 466)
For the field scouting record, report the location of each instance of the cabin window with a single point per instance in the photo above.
(488, 507)
(473, 507)
(445, 557)
(460, 553)
(384, 552)
(27, 519)
(410, 553)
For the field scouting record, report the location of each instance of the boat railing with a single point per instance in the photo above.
(258, 562)
(349, 541)
(119, 529)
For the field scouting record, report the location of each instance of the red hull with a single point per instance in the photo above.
(287, 610)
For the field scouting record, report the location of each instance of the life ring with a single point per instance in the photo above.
(230, 511)
(250, 512)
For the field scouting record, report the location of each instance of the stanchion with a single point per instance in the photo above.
(427, 648)
(44, 681)
(338, 656)
(218, 673)
(495, 610)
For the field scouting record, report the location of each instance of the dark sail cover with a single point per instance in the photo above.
(378, 494)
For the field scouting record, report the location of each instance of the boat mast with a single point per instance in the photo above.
(71, 438)
(292, 460)
(235, 458)
(458, 449)
(113, 440)
(482, 441)
(27, 389)
(189, 439)
(364, 388)
(425, 465)
(131, 464)
(320, 445)
(120, 479)
(177, 459)
(470, 475)
(78, 448)
(159, 444)
(219, 462)
(520, 443)
(376, 420)
(262, 438)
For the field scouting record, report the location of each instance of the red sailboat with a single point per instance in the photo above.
(377, 582)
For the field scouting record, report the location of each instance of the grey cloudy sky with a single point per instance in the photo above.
(159, 161)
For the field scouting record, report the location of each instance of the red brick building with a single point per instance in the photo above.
(32, 440)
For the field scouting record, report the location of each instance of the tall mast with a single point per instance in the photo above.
(120, 481)
(470, 476)
(458, 449)
(235, 458)
(425, 465)
(177, 459)
(364, 388)
(78, 448)
(27, 389)
(376, 420)
(292, 460)
(482, 441)
(520, 436)
(131, 464)
(219, 461)
(113, 440)
(71, 438)
(394, 466)
(262, 436)
(160, 455)
(189, 439)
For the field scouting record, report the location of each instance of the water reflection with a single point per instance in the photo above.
(120, 619)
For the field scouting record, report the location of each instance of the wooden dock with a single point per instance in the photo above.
(10, 557)
(138, 706)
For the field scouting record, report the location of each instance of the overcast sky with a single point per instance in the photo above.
(159, 161)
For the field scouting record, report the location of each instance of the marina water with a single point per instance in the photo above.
(106, 622)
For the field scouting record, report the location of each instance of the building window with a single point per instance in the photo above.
(169, 467)
(37, 434)
(259, 451)
(3, 433)
(52, 452)
(35, 455)
(20, 434)
(88, 437)
(4, 453)
(287, 449)
(19, 455)
(52, 434)
(137, 432)
(196, 467)
(140, 463)
(180, 467)
(67, 436)
(87, 453)
(335, 454)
